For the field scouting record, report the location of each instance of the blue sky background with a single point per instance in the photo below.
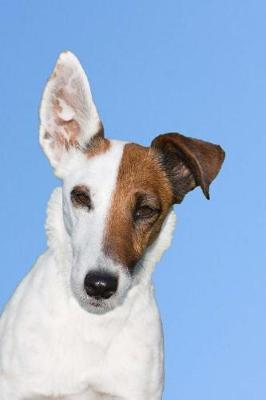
(197, 67)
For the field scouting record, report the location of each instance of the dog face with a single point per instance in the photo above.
(116, 195)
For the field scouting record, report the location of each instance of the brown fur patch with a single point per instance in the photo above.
(97, 145)
(140, 179)
(188, 162)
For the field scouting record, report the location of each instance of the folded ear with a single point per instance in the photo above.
(68, 115)
(188, 162)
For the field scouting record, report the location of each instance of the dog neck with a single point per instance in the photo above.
(59, 242)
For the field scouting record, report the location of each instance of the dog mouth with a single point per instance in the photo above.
(98, 303)
(102, 306)
(99, 306)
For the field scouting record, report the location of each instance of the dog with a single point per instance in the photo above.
(84, 324)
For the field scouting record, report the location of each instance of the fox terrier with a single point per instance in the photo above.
(84, 324)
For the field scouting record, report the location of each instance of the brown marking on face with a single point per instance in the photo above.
(98, 144)
(140, 203)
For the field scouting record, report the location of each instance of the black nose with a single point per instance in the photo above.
(100, 285)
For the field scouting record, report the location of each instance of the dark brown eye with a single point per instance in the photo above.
(145, 212)
(80, 197)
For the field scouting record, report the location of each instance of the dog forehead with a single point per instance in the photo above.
(139, 167)
(97, 170)
(140, 174)
(120, 170)
(129, 166)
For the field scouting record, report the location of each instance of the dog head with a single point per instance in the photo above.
(116, 195)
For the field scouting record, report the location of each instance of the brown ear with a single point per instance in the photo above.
(188, 162)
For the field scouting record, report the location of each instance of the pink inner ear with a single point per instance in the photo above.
(68, 115)
(64, 116)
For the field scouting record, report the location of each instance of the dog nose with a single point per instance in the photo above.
(100, 285)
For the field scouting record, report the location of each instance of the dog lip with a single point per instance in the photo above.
(97, 303)
(98, 307)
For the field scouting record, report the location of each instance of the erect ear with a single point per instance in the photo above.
(68, 115)
(188, 162)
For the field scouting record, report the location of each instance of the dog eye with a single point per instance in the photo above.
(145, 212)
(80, 197)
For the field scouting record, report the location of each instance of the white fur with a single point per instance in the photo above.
(87, 228)
(54, 342)
(50, 346)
